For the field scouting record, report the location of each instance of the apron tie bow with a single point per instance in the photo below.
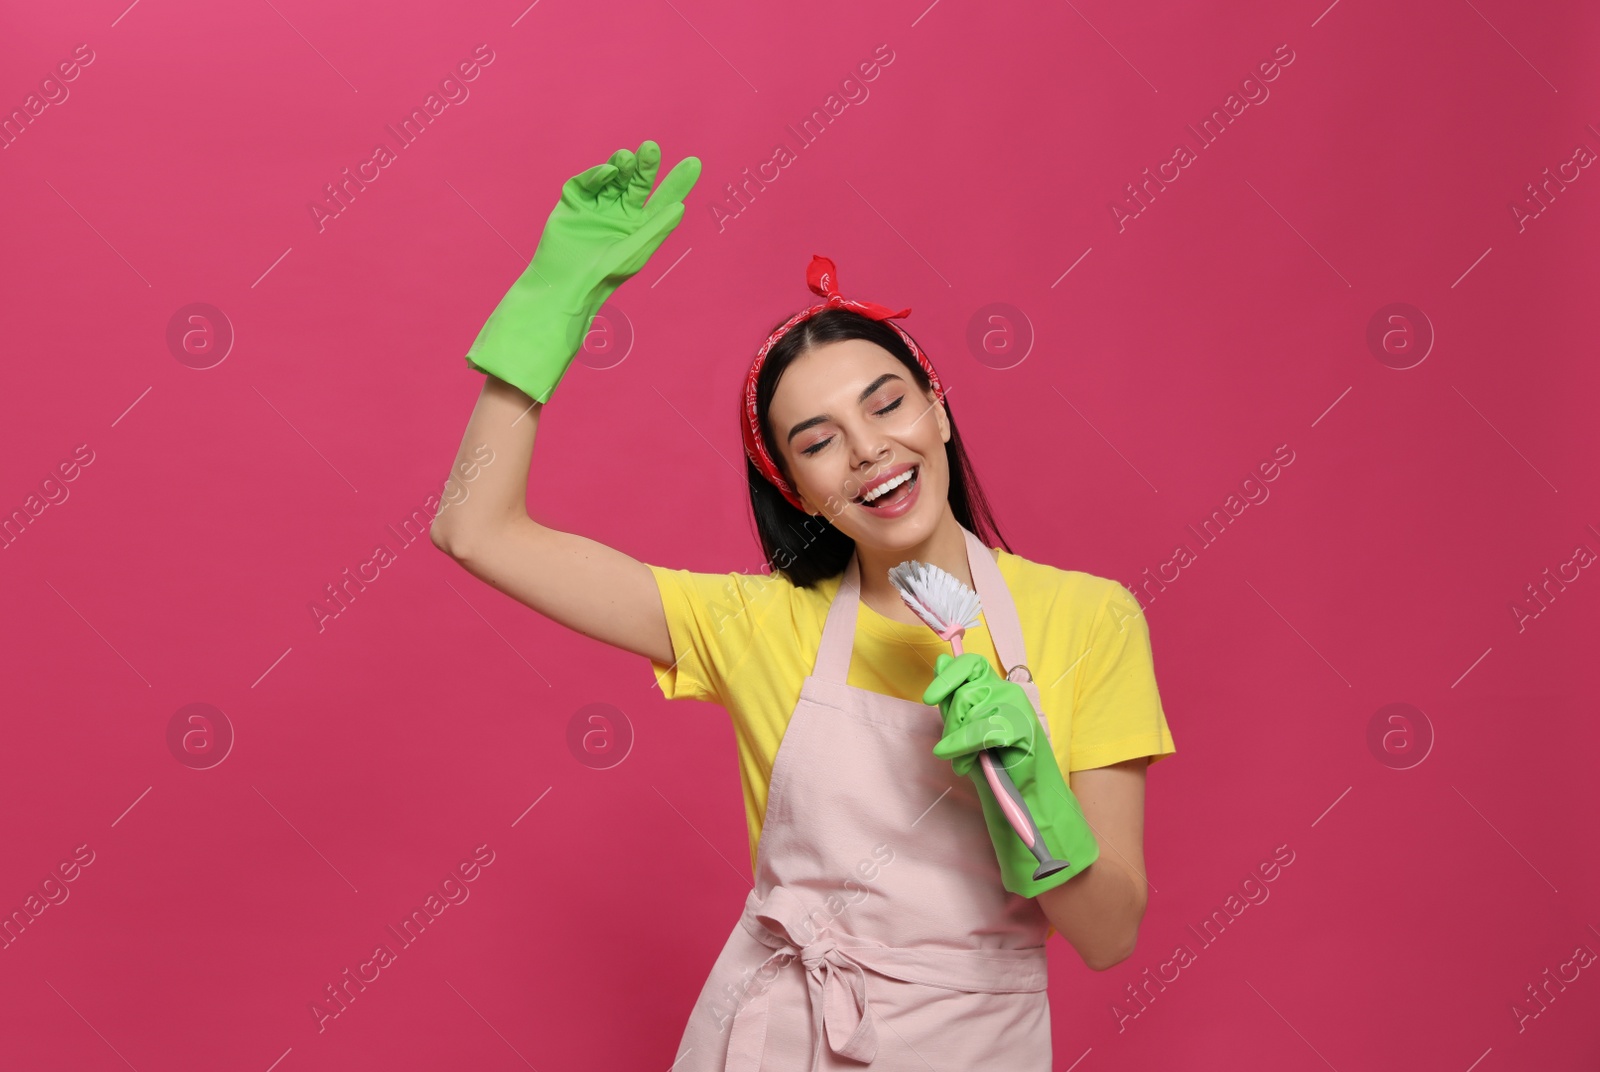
(838, 986)
(836, 983)
(814, 954)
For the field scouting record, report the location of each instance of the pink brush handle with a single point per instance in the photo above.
(1020, 821)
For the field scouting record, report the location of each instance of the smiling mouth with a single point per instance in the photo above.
(898, 488)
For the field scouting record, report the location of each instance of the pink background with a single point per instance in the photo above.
(1163, 358)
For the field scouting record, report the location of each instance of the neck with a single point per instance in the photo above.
(945, 547)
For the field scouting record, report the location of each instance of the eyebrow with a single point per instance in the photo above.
(865, 394)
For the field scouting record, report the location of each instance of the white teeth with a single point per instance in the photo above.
(884, 489)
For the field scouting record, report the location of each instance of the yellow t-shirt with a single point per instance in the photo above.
(747, 642)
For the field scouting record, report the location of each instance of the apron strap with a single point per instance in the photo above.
(839, 631)
(999, 609)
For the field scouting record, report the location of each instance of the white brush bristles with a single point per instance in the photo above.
(936, 595)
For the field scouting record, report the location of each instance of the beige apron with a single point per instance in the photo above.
(878, 936)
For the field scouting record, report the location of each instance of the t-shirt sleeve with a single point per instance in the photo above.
(713, 619)
(1117, 712)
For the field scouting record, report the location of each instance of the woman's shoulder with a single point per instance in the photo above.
(1036, 580)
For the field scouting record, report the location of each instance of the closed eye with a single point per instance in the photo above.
(813, 448)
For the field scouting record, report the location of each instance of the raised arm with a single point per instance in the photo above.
(581, 583)
(603, 229)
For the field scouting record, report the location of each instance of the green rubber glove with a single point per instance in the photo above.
(600, 233)
(983, 710)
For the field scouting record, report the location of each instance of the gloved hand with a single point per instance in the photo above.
(599, 234)
(983, 710)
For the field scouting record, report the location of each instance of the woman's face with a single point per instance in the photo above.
(848, 417)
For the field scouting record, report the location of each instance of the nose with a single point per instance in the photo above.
(868, 448)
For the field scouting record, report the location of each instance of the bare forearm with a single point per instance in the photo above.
(1098, 911)
(488, 483)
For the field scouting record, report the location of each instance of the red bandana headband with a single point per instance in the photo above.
(823, 279)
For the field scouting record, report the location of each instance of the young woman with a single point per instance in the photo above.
(896, 918)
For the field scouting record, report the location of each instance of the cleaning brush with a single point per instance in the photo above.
(951, 608)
